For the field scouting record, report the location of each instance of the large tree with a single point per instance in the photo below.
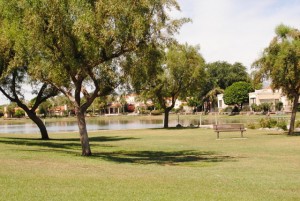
(77, 46)
(220, 75)
(14, 68)
(176, 73)
(280, 62)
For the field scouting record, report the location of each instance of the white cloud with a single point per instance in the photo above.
(235, 30)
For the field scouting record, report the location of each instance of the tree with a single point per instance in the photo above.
(211, 97)
(221, 75)
(280, 62)
(13, 71)
(237, 94)
(77, 46)
(169, 75)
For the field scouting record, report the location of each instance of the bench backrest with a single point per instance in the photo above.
(229, 127)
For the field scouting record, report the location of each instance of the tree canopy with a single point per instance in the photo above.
(176, 73)
(280, 62)
(14, 65)
(237, 93)
(77, 46)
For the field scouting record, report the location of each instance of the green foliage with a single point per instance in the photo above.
(165, 76)
(193, 102)
(237, 93)
(251, 125)
(271, 123)
(43, 108)
(279, 106)
(266, 107)
(156, 112)
(281, 63)
(256, 108)
(222, 74)
(297, 124)
(267, 122)
(282, 124)
(228, 109)
(245, 109)
(19, 113)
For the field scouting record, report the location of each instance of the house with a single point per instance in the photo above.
(269, 95)
(114, 108)
(258, 97)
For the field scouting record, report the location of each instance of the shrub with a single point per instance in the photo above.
(156, 112)
(228, 109)
(246, 108)
(266, 107)
(251, 125)
(255, 108)
(297, 124)
(282, 124)
(19, 113)
(279, 106)
(267, 123)
(145, 112)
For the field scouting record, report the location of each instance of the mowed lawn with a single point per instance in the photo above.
(152, 164)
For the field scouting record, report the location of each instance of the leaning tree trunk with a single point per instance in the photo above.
(84, 139)
(39, 123)
(293, 117)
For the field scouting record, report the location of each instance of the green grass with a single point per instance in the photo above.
(152, 164)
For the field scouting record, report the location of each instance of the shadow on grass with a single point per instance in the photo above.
(72, 146)
(162, 157)
(294, 134)
(66, 143)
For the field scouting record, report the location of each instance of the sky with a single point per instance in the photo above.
(235, 30)
(231, 30)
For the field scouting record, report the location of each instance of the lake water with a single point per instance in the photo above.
(92, 125)
(109, 124)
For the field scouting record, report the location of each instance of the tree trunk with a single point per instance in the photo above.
(39, 123)
(84, 139)
(293, 117)
(166, 118)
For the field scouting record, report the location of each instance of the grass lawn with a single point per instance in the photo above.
(152, 164)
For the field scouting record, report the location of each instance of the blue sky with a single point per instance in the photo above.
(231, 30)
(235, 30)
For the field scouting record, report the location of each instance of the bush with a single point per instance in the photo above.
(279, 106)
(246, 108)
(251, 125)
(267, 123)
(228, 109)
(156, 112)
(297, 124)
(282, 124)
(146, 112)
(256, 108)
(19, 113)
(266, 107)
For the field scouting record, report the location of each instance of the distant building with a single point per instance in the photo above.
(221, 103)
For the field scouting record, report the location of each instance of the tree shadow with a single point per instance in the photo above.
(162, 157)
(65, 143)
(294, 134)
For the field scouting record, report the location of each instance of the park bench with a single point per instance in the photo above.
(229, 128)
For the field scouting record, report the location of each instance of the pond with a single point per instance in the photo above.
(115, 124)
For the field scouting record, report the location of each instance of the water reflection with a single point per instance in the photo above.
(67, 126)
(113, 124)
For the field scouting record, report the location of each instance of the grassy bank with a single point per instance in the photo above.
(153, 164)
